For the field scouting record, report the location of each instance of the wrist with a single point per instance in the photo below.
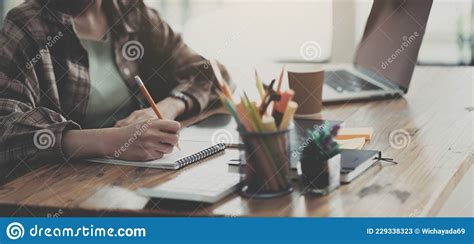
(107, 141)
(177, 106)
(185, 99)
(181, 105)
(88, 143)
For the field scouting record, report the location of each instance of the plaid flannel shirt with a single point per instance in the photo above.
(44, 78)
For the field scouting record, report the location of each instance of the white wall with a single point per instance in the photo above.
(263, 30)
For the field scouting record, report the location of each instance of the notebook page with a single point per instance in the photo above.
(188, 148)
(168, 161)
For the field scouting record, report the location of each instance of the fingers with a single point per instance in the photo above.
(151, 139)
(164, 148)
(161, 136)
(121, 123)
(134, 117)
(126, 121)
(167, 131)
(131, 119)
(142, 115)
(169, 126)
(167, 138)
(153, 151)
(148, 155)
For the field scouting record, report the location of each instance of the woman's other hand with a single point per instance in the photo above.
(171, 108)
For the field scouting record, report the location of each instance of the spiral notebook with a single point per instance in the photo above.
(191, 152)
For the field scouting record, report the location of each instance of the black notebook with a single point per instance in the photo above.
(191, 152)
(355, 162)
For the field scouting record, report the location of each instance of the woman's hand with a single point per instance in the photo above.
(143, 141)
(169, 107)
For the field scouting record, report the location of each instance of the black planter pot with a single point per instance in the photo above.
(320, 178)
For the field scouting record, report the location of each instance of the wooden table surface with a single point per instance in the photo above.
(437, 113)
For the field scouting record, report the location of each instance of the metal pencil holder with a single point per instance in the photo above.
(265, 164)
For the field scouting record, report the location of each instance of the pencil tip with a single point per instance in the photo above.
(138, 80)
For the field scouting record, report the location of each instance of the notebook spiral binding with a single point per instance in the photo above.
(201, 155)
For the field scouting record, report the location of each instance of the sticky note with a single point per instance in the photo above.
(351, 133)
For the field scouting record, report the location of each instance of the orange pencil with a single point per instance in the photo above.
(279, 107)
(150, 100)
(244, 117)
(280, 79)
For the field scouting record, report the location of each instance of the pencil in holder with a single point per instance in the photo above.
(265, 164)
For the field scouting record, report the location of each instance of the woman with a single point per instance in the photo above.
(67, 88)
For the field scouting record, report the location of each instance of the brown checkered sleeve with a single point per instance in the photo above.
(29, 133)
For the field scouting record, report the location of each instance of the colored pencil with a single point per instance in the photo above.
(279, 107)
(260, 88)
(280, 79)
(288, 115)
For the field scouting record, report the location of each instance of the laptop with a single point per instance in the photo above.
(386, 56)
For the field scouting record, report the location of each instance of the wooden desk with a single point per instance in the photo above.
(437, 113)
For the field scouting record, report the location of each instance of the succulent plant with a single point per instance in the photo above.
(322, 145)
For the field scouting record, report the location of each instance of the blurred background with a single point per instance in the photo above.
(276, 30)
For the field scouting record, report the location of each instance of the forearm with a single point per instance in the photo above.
(88, 143)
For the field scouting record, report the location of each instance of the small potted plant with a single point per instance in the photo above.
(321, 162)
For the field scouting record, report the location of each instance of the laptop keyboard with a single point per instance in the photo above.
(343, 81)
(198, 184)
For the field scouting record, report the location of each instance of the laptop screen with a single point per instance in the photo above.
(392, 39)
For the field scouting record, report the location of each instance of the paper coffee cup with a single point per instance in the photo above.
(307, 81)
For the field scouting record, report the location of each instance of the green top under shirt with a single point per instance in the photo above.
(110, 99)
